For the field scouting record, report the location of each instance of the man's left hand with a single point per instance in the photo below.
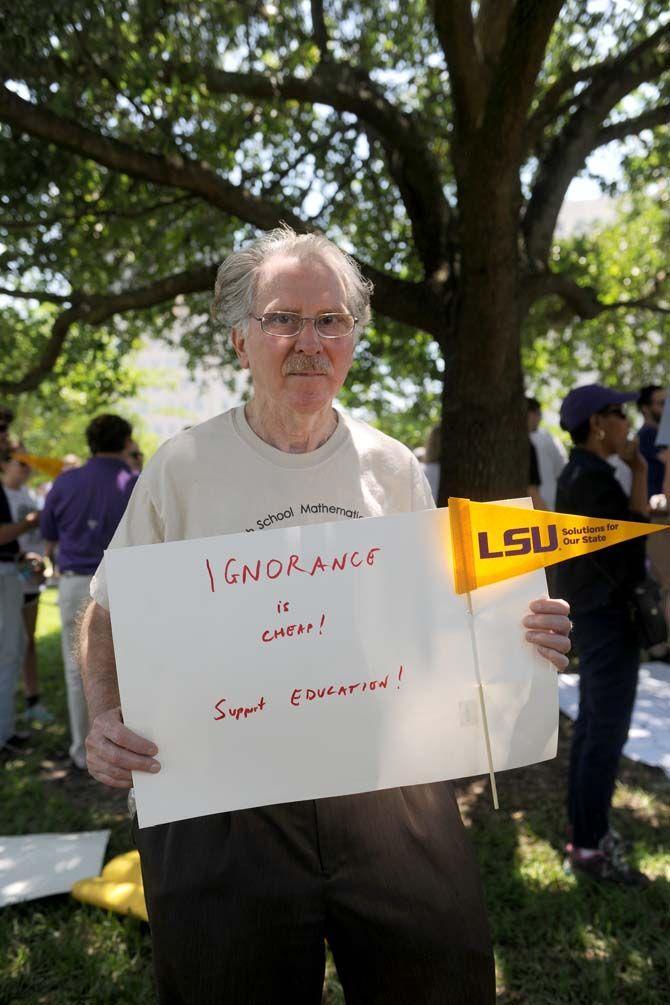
(549, 630)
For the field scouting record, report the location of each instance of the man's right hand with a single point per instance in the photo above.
(113, 751)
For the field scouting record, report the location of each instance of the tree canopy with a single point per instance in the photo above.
(142, 141)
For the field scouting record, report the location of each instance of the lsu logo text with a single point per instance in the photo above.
(519, 541)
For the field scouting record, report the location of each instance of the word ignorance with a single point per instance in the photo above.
(240, 573)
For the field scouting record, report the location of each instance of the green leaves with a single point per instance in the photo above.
(143, 74)
(624, 261)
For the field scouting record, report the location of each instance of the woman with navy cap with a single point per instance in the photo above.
(599, 589)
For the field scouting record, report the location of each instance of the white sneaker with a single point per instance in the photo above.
(39, 713)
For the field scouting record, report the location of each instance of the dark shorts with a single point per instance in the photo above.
(240, 903)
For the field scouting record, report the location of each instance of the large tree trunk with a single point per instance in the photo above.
(485, 440)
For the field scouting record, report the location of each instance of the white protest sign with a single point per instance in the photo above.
(320, 661)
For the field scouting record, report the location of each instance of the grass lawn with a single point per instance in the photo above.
(558, 941)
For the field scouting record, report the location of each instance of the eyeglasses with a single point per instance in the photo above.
(136, 454)
(287, 324)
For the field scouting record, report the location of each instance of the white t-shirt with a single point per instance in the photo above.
(220, 478)
(551, 459)
(21, 502)
(622, 473)
(432, 473)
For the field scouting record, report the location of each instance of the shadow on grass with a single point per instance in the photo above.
(559, 939)
(56, 951)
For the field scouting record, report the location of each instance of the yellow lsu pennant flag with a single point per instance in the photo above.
(51, 466)
(491, 542)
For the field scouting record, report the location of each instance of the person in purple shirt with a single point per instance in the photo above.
(80, 515)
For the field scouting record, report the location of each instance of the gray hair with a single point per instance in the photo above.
(237, 278)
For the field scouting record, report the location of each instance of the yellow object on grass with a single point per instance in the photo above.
(491, 542)
(119, 888)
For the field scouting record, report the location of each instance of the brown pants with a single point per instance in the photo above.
(240, 903)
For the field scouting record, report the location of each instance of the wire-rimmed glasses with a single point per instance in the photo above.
(289, 324)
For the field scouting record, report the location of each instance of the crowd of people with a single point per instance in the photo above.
(68, 530)
(404, 915)
(610, 475)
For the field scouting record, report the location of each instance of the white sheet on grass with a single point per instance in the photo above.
(39, 865)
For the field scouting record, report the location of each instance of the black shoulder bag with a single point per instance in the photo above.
(647, 608)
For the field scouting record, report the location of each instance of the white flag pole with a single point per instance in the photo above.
(482, 703)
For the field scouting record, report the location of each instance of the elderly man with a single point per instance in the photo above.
(240, 902)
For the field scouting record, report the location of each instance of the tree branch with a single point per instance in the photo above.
(491, 28)
(42, 296)
(634, 125)
(492, 95)
(456, 33)
(568, 152)
(413, 304)
(583, 301)
(95, 309)
(319, 30)
(88, 209)
(513, 81)
(347, 89)
(174, 171)
(553, 101)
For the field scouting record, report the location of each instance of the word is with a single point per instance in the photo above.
(273, 568)
(291, 631)
(241, 712)
(519, 541)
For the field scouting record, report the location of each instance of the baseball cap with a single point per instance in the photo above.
(583, 402)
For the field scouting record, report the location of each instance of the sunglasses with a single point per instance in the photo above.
(619, 412)
(136, 454)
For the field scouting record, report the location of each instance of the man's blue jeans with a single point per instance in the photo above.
(608, 647)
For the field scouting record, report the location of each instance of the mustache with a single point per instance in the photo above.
(299, 363)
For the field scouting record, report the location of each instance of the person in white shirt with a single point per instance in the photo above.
(431, 459)
(551, 454)
(22, 501)
(240, 903)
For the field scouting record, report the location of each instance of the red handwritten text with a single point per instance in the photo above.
(236, 572)
(301, 695)
(241, 712)
(292, 631)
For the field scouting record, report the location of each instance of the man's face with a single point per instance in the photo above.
(656, 406)
(4, 436)
(303, 374)
(133, 456)
(534, 418)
